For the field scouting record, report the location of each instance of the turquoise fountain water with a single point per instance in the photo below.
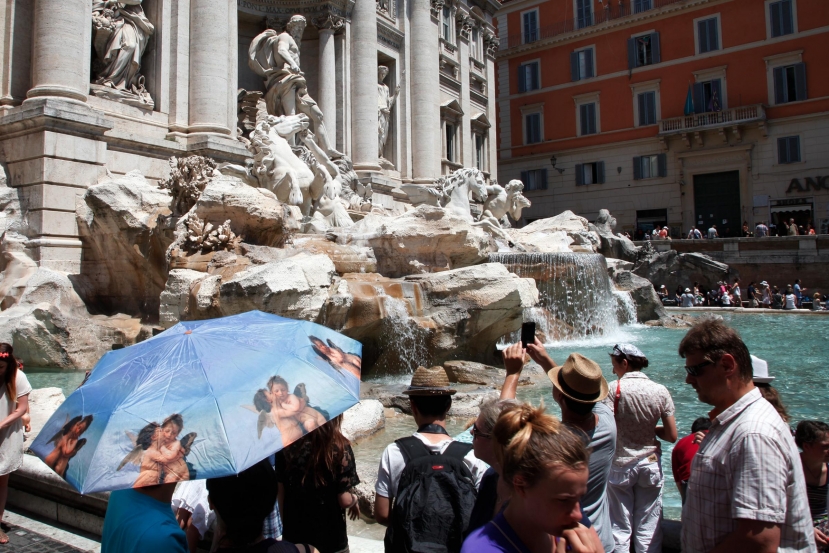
(796, 348)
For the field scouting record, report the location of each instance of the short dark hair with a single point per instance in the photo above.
(809, 431)
(635, 363)
(578, 407)
(244, 500)
(714, 338)
(702, 423)
(432, 406)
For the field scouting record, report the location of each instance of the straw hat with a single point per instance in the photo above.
(430, 382)
(761, 370)
(580, 379)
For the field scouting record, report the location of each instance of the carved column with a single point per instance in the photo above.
(327, 98)
(364, 111)
(211, 67)
(425, 99)
(61, 48)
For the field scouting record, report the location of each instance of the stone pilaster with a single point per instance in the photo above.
(364, 111)
(425, 96)
(327, 98)
(61, 49)
(211, 75)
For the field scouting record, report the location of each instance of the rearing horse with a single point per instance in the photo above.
(457, 187)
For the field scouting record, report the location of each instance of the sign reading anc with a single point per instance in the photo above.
(809, 184)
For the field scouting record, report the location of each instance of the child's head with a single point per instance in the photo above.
(278, 386)
(261, 400)
(171, 427)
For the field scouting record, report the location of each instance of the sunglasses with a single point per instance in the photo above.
(695, 370)
(477, 433)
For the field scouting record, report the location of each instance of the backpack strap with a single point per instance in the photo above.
(458, 450)
(412, 448)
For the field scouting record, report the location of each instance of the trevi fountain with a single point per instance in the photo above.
(164, 161)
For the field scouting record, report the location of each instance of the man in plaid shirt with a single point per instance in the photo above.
(746, 491)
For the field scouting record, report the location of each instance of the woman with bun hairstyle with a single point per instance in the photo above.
(14, 402)
(544, 464)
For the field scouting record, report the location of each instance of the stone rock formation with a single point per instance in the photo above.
(43, 402)
(126, 226)
(648, 306)
(427, 239)
(566, 232)
(469, 372)
(611, 244)
(364, 419)
(683, 269)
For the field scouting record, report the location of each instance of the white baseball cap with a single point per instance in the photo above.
(761, 370)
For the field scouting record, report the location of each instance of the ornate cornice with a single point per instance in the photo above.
(311, 9)
(328, 21)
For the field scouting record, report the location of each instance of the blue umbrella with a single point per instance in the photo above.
(203, 399)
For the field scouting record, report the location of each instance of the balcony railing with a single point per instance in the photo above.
(609, 13)
(712, 119)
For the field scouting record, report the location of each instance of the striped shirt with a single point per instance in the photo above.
(747, 467)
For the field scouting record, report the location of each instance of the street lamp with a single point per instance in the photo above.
(553, 163)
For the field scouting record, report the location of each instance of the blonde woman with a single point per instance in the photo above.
(544, 464)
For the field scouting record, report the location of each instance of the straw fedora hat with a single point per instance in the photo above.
(430, 382)
(580, 379)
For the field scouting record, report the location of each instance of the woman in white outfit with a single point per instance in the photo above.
(635, 485)
(14, 402)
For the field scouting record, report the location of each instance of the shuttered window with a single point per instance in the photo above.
(641, 5)
(643, 50)
(781, 18)
(587, 118)
(788, 149)
(530, 20)
(529, 77)
(790, 83)
(647, 108)
(648, 167)
(708, 96)
(581, 64)
(589, 173)
(535, 179)
(584, 13)
(532, 128)
(707, 35)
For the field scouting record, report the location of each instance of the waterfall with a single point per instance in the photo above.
(625, 307)
(576, 298)
(404, 341)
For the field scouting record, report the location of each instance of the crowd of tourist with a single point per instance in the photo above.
(762, 295)
(591, 481)
(761, 230)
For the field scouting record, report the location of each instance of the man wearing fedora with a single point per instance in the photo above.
(430, 397)
(579, 388)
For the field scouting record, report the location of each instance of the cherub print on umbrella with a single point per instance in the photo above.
(160, 454)
(68, 443)
(292, 413)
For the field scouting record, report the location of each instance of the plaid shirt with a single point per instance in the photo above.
(748, 468)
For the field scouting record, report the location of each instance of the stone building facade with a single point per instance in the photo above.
(92, 86)
(668, 112)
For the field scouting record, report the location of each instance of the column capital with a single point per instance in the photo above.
(329, 22)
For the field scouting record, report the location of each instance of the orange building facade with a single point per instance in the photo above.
(673, 113)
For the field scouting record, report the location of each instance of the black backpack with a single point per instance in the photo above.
(434, 500)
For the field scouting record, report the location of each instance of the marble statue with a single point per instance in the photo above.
(385, 104)
(502, 201)
(121, 32)
(275, 57)
(456, 189)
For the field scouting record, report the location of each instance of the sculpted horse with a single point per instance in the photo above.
(456, 189)
(277, 168)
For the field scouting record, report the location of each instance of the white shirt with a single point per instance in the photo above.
(642, 403)
(747, 467)
(791, 299)
(392, 465)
